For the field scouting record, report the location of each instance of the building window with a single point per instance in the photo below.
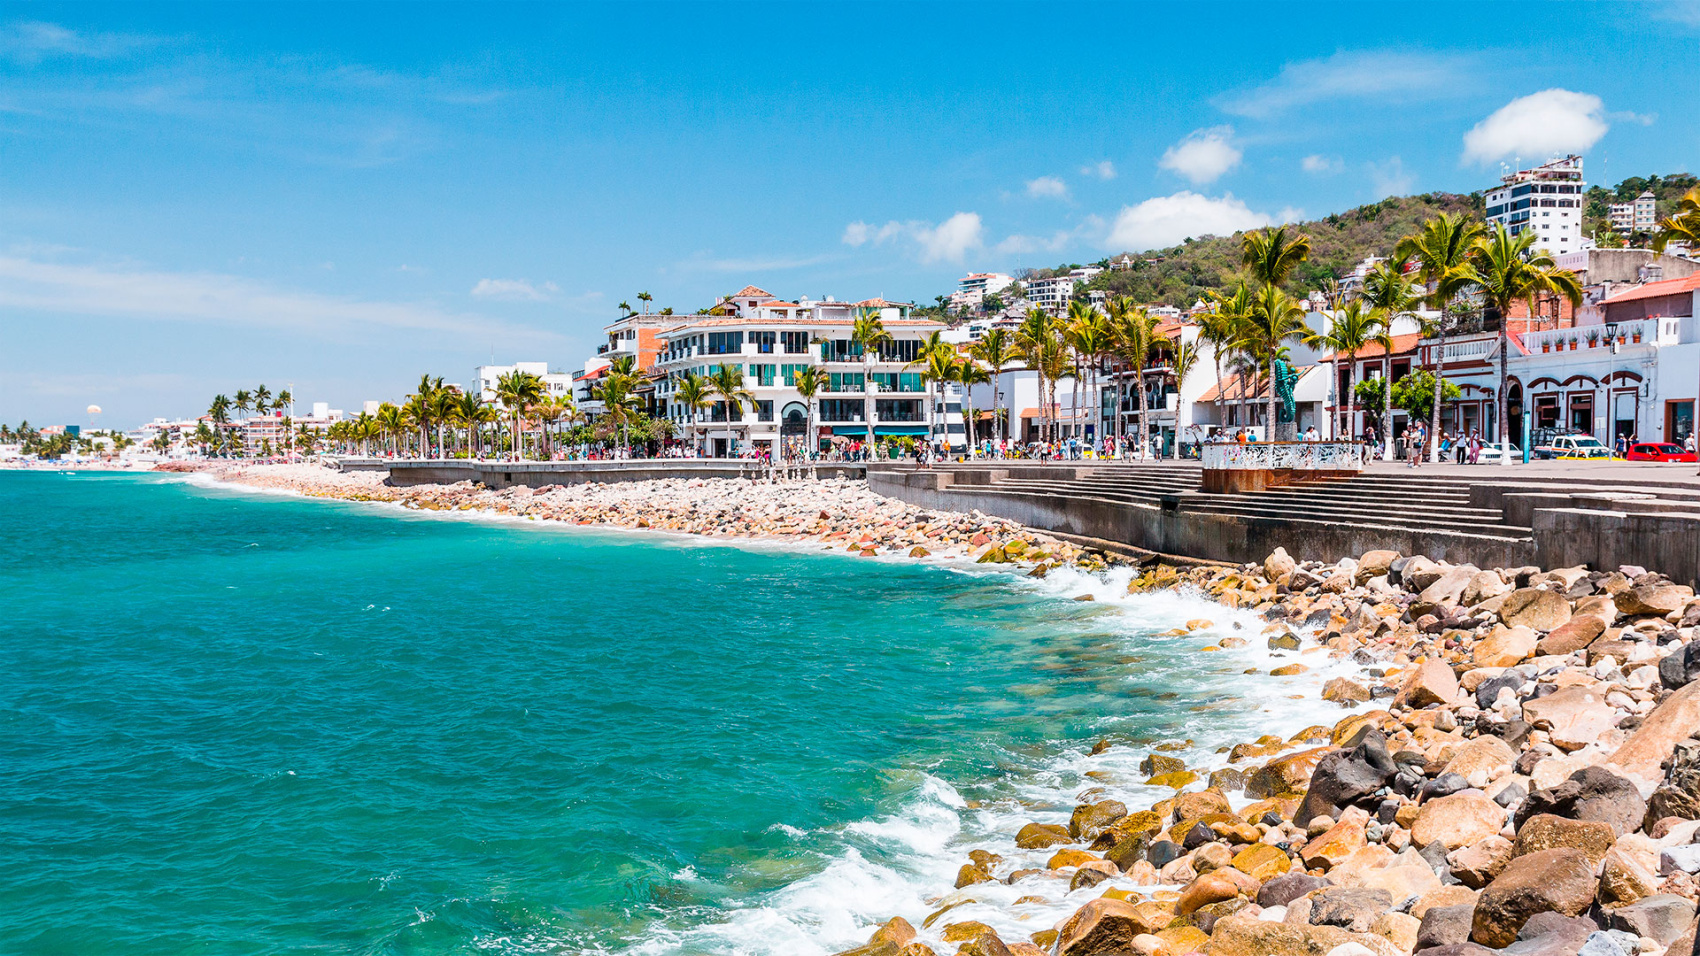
(725, 343)
(763, 374)
(898, 410)
(764, 341)
(796, 343)
(764, 409)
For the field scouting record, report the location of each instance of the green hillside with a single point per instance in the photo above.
(1179, 274)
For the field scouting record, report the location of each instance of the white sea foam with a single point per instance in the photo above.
(903, 863)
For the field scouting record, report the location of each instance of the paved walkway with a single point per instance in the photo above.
(1628, 472)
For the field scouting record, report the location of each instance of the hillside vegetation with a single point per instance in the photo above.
(1179, 274)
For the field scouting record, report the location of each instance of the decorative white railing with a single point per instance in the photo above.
(1286, 455)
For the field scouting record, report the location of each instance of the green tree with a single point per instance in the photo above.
(996, 349)
(1683, 225)
(1036, 335)
(1441, 251)
(1133, 332)
(1507, 269)
(517, 391)
(1391, 295)
(727, 382)
(810, 381)
(1275, 320)
(694, 393)
(1349, 330)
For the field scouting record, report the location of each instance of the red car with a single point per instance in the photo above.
(1659, 452)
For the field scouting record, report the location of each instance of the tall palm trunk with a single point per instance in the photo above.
(1503, 408)
(1387, 412)
(1144, 409)
(1269, 421)
(1439, 372)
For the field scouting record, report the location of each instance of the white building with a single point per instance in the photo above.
(1637, 215)
(972, 290)
(1546, 200)
(555, 384)
(770, 341)
(1053, 294)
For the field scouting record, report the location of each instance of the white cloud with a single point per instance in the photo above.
(1166, 220)
(1538, 126)
(1047, 187)
(83, 289)
(1379, 75)
(1103, 170)
(949, 240)
(514, 290)
(1390, 178)
(32, 41)
(1204, 155)
(1091, 227)
(1322, 165)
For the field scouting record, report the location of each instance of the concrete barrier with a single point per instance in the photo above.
(536, 474)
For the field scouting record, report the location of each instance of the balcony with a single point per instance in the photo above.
(1659, 330)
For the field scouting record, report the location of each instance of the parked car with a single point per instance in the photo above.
(1659, 451)
(1574, 448)
(1490, 455)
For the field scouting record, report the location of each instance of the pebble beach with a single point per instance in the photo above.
(1514, 769)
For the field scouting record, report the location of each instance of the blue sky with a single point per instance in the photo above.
(195, 199)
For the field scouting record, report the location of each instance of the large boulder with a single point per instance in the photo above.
(1545, 831)
(1675, 719)
(1442, 925)
(1660, 599)
(1284, 775)
(1344, 777)
(1350, 908)
(1375, 563)
(1483, 585)
(1457, 820)
(1447, 588)
(1103, 927)
(1679, 795)
(1278, 564)
(1661, 918)
(1249, 936)
(1680, 667)
(1486, 754)
(1431, 682)
(1534, 608)
(1574, 717)
(1504, 647)
(1592, 793)
(1572, 636)
(1476, 865)
(1288, 887)
(1550, 881)
(1090, 819)
(1038, 836)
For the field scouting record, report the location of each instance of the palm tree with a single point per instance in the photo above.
(1391, 295)
(1349, 330)
(363, 428)
(285, 400)
(219, 412)
(1507, 270)
(1088, 334)
(1270, 255)
(618, 394)
(1222, 328)
(728, 383)
(443, 404)
(1054, 364)
(1036, 332)
(868, 333)
(1275, 320)
(625, 309)
(244, 400)
(1441, 249)
(693, 393)
(391, 425)
(518, 391)
(1135, 336)
(646, 299)
(996, 350)
(1683, 225)
(262, 400)
(938, 370)
(1184, 357)
(306, 439)
(969, 372)
(810, 381)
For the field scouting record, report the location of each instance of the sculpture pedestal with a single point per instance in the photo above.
(1286, 431)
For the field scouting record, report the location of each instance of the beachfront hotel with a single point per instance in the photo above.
(771, 340)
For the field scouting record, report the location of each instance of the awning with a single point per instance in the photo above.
(900, 430)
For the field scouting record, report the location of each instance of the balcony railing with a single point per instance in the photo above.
(1286, 456)
(1650, 331)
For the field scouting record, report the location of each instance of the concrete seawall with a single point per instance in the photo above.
(1167, 528)
(536, 474)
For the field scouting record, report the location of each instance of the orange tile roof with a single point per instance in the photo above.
(740, 320)
(1401, 345)
(776, 304)
(750, 290)
(1654, 290)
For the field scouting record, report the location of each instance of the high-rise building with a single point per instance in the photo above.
(1637, 215)
(1545, 200)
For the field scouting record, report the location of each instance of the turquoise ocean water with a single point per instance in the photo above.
(234, 722)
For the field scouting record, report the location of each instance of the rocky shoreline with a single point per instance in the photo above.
(1517, 770)
(1527, 781)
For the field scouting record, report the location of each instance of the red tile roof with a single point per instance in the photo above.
(1654, 290)
(750, 290)
(776, 304)
(1401, 345)
(1244, 388)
